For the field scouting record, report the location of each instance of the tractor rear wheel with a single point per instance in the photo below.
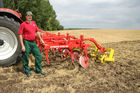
(9, 43)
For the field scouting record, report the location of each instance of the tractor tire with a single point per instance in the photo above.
(10, 48)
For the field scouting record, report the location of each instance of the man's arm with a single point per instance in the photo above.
(38, 34)
(21, 42)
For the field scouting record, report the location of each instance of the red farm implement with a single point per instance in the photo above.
(76, 48)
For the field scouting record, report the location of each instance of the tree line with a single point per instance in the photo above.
(43, 13)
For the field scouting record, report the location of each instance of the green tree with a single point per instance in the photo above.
(43, 12)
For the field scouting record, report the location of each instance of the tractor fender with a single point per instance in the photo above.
(11, 14)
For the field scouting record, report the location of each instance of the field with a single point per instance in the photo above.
(121, 76)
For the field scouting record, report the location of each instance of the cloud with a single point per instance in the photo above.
(110, 14)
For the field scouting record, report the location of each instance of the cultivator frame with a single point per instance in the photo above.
(76, 48)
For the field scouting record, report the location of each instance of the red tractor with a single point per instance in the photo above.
(9, 42)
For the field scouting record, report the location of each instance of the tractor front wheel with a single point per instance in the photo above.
(9, 43)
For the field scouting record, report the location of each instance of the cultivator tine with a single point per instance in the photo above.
(46, 52)
(54, 52)
(72, 55)
(61, 56)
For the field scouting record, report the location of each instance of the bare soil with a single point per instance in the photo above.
(121, 76)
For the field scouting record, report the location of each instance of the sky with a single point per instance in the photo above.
(102, 14)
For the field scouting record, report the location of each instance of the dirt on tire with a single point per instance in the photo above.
(121, 76)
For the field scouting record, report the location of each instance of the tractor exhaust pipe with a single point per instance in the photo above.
(1, 3)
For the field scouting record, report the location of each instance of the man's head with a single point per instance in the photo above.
(29, 16)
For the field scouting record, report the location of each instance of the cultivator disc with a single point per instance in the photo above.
(76, 56)
(83, 60)
(66, 52)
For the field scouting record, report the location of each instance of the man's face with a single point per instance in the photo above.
(29, 17)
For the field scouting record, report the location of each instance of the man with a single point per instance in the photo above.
(27, 33)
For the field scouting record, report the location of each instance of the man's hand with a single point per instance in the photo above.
(42, 42)
(39, 36)
(21, 42)
(23, 48)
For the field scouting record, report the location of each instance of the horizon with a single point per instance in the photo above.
(104, 14)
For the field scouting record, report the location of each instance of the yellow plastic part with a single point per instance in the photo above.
(95, 54)
(106, 57)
